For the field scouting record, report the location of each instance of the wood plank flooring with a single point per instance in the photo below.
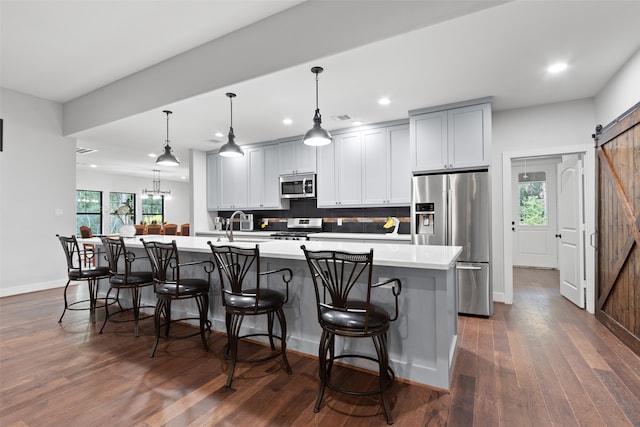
(539, 362)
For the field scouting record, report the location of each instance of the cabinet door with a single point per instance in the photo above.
(287, 157)
(271, 178)
(348, 163)
(326, 177)
(429, 141)
(255, 167)
(234, 181)
(468, 136)
(296, 157)
(375, 170)
(213, 182)
(305, 158)
(399, 171)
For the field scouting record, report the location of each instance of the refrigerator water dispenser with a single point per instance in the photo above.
(425, 217)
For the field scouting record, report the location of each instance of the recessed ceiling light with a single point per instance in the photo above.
(219, 134)
(558, 67)
(93, 166)
(152, 154)
(183, 177)
(384, 101)
(287, 121)
(357, 123)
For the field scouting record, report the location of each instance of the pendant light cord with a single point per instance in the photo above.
(316, 91)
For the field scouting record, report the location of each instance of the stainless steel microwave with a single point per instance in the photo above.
(297, 186)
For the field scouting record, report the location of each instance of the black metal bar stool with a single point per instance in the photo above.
(76, 272)
(250, 297)
(170, 285)
(337, 277)
(121, 276)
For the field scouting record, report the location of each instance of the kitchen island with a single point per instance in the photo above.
(422, 341)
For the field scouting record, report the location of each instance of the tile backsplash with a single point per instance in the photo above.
(354, 220)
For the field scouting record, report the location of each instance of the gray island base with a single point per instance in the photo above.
(422, 341)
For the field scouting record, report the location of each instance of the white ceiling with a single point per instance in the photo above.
(61, 50)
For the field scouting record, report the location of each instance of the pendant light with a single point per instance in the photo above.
(317, 136)
(167, 159)
(231, 149)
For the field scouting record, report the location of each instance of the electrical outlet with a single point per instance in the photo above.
(339, 221)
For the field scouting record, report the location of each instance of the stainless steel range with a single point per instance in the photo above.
(299, 229)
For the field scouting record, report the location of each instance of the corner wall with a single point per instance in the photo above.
(546, 126)
(37, 178)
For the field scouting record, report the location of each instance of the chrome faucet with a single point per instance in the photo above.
(229, 231)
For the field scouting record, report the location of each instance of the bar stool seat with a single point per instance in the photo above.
(77, 273)
(244, 294)
(123, 276)
(343, 287)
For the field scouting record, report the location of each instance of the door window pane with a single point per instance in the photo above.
(89, 210)
(533, 198)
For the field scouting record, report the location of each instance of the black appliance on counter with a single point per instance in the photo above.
(299, 229)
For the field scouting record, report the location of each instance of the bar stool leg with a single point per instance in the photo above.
(380, 344)
(283, 342)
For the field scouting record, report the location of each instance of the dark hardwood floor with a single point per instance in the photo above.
(539, 362)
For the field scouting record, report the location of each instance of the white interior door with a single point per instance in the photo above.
(534, 213)
(571, 229)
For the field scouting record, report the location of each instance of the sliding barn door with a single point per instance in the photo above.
(618, 248)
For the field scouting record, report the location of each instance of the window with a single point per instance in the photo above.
(89, 210)
(533, 198)
(119, 200)
(153, 210)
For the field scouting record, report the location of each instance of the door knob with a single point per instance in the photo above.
(559, 236)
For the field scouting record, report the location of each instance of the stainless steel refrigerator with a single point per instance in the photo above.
(453, 209)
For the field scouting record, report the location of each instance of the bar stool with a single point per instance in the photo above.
(249, 297)
(121, 276)
(170, 285)
(76, 272)
(337, 277)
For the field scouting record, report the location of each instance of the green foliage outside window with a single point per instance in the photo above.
(153, 210)
(89, 210)
(533, 204)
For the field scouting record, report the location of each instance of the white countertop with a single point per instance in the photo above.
(384, 254)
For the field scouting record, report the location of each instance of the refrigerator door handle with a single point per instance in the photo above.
(468, 267)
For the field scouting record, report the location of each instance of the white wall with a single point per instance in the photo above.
(620, 93)
(546, 126)
(37, 176)
(177, 210)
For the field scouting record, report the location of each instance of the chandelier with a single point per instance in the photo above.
(156, 193)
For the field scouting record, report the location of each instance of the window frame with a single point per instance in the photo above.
(95, 225)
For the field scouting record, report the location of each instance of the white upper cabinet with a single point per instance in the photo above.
(340, 172)
(233, 182)
(262, 163)
(386, 172)
(296, 158)
(456, 138)
(365, 168)
(213, 182)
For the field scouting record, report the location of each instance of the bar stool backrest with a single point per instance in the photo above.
(164, 263)
(336, 277)
(234, 264)
(72, 252)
